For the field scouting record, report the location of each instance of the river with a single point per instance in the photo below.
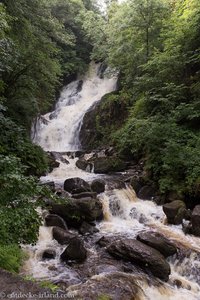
(124, 213)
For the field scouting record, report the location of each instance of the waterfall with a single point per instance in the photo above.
(59, 130)
(124, 214)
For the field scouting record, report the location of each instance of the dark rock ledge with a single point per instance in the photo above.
(13, 286)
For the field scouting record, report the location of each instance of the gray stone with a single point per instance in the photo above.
(146, 257)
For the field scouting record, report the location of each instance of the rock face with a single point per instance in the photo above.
(113, 286)
(98, 121)
(62, 236)
(73, 184)
(146, 257)
(75, 251)
(175, 211)
(195, 220)
(12, 284)
(55, 220)
(98, 186)
(75, 211)
(158, 242)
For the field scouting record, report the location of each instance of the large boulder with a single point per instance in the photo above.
(104, 165)
(75, 211)
(62, 236)
(195, 220)
(98, 186)
(101, 164)
(75, 250)
(73, 184)
(158, 242)
(146, 257)
(147, 192)
(55, 220)
(108, 286)
(175, 211)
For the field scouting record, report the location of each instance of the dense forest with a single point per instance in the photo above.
(154, 45)
(154, 116)
(42, 44)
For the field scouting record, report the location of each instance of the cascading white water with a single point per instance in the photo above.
(124, 213)
(59, 130)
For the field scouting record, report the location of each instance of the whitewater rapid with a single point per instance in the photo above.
(124, 213)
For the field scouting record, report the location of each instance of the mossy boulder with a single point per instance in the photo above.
(76, 211)
(175, 211)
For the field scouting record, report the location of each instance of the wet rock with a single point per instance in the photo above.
(147, 192)
(62, 236)
(113, 286)
(105, 241)
(158, 242)
(115, 183)
(146, 257)
(136, 183)
(75, 211)
(55, 220)
(180, 215)
(75, 250)
(187, 227)
(159, 200)
(98, 186)
(101, 70)
(74, 154)
(76, 183)
(49, 254)
(87, 228)
(59, 156)
(195, 220)
(84, 165)
(52, 161)
(85, 195)
(104, 165)
(79, 87)
(177, 283)
(175, 211)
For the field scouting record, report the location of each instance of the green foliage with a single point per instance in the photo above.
(19, 219)
(11, 257)
(155, 45)
(14, 141)
(43, 283)
(40, 41)
(49, 285)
